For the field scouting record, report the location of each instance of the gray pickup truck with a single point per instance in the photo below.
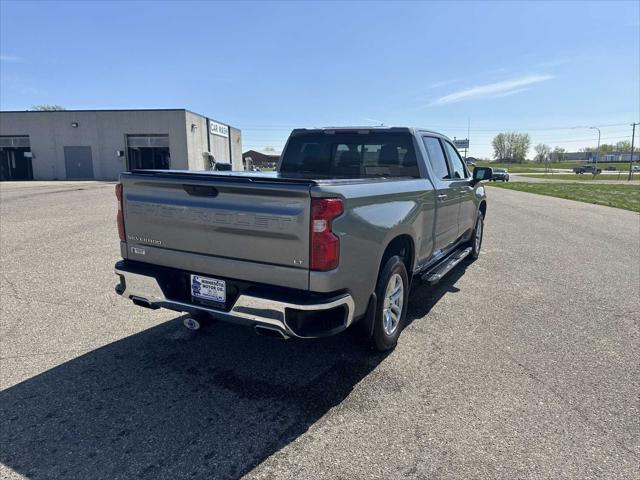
(330, 240)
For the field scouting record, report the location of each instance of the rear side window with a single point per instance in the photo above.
(351, 155)
(456, 162)
(436, 158)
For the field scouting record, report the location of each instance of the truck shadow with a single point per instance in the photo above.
(170, 403)
(424, 297)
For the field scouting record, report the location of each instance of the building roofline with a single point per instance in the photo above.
(100, 110)
(258, 151)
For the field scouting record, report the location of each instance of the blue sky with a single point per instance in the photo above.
(268, 67)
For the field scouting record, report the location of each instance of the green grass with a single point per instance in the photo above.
(618, 196)
(533, 167)
(586, 176)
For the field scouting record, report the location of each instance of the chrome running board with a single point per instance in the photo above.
(435, 274)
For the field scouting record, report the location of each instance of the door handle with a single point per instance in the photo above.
(200, 190)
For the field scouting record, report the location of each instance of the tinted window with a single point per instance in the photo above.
(456, 161)
(351, 155)
(436, 157)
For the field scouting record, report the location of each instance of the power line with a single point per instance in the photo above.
(250, 138)
(259, 127)
(574, 139)
(575, 127)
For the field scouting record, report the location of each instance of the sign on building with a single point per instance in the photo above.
(218, 129)
(461, 143)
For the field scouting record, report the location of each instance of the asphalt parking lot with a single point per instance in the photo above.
(523, 364)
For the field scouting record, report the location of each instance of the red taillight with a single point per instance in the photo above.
(120, 216)
(324, 245)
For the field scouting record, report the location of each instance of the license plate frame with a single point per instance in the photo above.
(208, 289)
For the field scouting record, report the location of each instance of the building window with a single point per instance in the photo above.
(148, 152)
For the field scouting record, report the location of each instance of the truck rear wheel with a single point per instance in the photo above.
(392, 291)
(476, 236)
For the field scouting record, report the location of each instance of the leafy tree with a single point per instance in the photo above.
(623, 146)
(542, 152)
(499, 146)
(47, 108)
(558, 154)
(511, 147)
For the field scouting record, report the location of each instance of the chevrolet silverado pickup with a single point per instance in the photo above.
(331, 240)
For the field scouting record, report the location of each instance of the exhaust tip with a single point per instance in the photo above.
(191, 323)
(143, 302)
(270, 332)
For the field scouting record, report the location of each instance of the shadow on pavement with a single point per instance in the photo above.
(170, 403)
(424, 297)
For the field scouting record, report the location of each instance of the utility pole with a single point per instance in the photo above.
(633, 137)
(468, 130)
(598, 150)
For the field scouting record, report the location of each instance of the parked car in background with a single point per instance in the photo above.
(500, 174)
(332, 239)
(587, 169)
(635, 169)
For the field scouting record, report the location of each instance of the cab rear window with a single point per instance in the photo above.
(351, 155)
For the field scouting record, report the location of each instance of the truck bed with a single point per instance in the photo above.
(260, 177)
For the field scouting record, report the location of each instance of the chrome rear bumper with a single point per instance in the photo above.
(247, 310)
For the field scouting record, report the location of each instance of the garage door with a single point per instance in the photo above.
(15, 158)
(78, 162)
(148, 151)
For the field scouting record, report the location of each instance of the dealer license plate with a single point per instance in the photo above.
(208, 288)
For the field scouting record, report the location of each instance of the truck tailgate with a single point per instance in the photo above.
(257, 220)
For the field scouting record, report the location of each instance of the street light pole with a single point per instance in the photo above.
(598, 150)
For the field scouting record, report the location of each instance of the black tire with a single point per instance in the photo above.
(477, 245)
(385, 334)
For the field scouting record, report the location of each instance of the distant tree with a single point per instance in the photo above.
(558, 154)
(605, 148)
(623, 146)
(511, 147)
(522, 142)
(542, 152)
(499, 146)
(47, 108)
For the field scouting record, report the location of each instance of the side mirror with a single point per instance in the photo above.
(482, 173)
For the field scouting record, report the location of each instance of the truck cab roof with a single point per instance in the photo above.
(366, 129)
